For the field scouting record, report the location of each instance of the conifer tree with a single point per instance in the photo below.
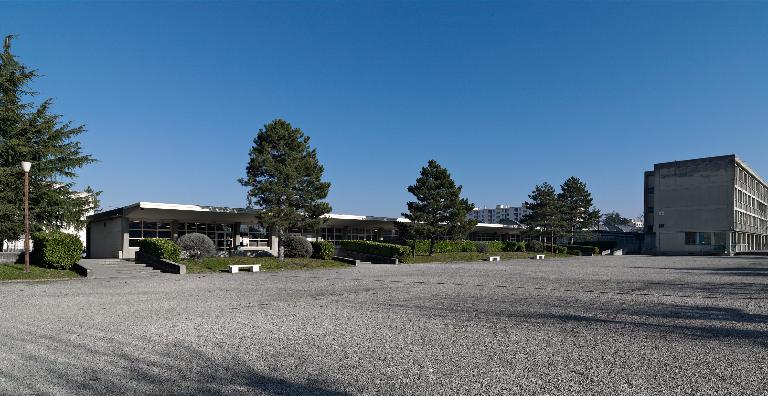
(439, 211)
(30, 132)
(577, 212)
(285, 180)
(545, 216)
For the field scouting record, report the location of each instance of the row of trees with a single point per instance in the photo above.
(284, 178)
(554, 213)
(283, 175)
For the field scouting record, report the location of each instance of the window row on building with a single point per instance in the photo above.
(251, 235)
(751, 184)
(748, 203)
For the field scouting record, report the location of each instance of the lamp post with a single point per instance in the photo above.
(26, 166)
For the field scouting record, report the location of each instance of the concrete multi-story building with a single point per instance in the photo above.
(498, 214)
(715, 205)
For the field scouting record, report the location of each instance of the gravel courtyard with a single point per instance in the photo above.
(593, 325)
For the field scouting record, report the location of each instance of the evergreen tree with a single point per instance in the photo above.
(577, 212)
(285, 179)
(545, 216)
(29, 132)
(439, 211)
(615, 218)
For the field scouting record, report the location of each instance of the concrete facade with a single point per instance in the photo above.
(714, 205)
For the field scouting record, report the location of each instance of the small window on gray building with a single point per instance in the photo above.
(690, 238)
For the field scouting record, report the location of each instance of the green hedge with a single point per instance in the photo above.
(400, 252)
(56, 249)
(512, 246)
(323, 250)
(489, 246)
(161, 248)
(601, 245)
(583, 249)
(442, 246)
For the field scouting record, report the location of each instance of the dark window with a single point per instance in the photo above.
(661, 225)
(690, 238)
(650, 190)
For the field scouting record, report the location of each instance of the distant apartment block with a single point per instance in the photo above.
(716, 205)
(498, 214)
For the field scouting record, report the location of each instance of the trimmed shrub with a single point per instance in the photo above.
(161, 248)
(495, 246)
(489, 246)
(296, 246)
(400, 252)
(443, 246)
(536, 246)
(600, 245)
(56, 249)
(574, 252)
(557, 248)
(584, 249)
(512, 246)
(196, 246)
(323, 250)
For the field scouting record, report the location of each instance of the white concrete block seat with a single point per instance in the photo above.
(494, 258)
(539, 257)
(237, 267)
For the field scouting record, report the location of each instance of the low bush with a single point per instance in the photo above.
(161, 248)
(296, 246)
(444, 246)
(402, 253)
(574, 252)
(557, 249)
(196, 246)
(521, 247)
(583, 249)
(56, 249)
(536, 246)
(323, 250)
(600, 245)
(489, 246)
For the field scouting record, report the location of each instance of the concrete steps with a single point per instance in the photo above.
(116, 268)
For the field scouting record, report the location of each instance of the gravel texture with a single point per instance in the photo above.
(593, 325)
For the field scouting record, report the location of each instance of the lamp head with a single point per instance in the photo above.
(26, 166)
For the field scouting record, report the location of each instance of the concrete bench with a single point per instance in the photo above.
(539, 257)
(236, 268)
(494, 258)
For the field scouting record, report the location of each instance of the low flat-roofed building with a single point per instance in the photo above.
(116, 233)
(715, 205)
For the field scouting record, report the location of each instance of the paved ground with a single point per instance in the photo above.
(601, 325)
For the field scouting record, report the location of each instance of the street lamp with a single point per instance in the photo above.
(26, 166)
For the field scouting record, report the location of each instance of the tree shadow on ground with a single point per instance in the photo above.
(720, 333)
(739, 271)
(108, 365)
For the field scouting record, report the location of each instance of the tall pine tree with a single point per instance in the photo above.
(285, 179)
(439, 211)
(577, 212)
(545, 216)
(30, 132)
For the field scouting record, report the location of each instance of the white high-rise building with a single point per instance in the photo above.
(498, 214)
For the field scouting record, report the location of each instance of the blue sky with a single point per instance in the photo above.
(505, 95)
